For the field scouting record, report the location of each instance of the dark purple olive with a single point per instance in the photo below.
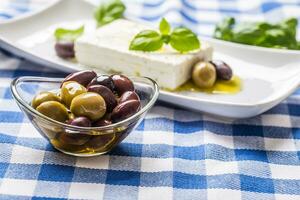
(125, 110)
(104, 80)
(107, 95)
(65, 49)
(73, 139)
(122, 84)
(100, 141)
(224, 72)
(81, 77)
(102, 122)
(81, 121)
(129, 95)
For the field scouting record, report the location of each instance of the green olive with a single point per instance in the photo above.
(71, 116)
(204, 75)
(43, 97)
(69, 90)
(90, 105)
(53, 110)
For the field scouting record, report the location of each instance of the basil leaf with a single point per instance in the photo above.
(146, 40)
(291, 23)
(223, 30)
(68, 34)
(109, 11)
(248, 33)
(166, 38)
(164, 27)
(184, 40)
(280, 35)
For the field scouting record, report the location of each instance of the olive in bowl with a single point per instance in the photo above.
(76, 133)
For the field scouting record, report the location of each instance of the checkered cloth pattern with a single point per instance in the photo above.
(174, 153)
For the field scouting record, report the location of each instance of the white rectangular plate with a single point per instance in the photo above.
(269, 76)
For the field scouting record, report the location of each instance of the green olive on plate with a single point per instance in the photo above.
(204, 75)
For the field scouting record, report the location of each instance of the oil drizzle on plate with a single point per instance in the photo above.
(221, 87)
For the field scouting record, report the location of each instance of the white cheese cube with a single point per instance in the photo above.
(108, 49)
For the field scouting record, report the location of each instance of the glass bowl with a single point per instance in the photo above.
(80, 141)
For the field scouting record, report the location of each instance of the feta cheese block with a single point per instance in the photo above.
(107, 48)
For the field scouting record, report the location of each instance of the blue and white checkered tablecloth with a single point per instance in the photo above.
(174, 153)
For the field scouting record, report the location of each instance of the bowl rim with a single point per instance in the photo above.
(34, 112)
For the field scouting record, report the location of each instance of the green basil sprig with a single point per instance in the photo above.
(109, 11)
(147, 40)
(68, 34)
(280, 35)
(182, 39)
(164, 27)
(105, 13)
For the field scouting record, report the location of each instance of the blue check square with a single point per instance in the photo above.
(245, 154)
(189, 181)
(56, 173)
(115, 177)
(256, 184)
(3, 168)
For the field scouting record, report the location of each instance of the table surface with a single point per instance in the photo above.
(174, 153)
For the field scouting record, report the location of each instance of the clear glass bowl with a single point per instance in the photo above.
(80, 141)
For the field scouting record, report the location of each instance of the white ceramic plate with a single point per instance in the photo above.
(269, 75)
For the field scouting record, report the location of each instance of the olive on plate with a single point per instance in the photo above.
(204, 75)
(224, 72)
(64, 49)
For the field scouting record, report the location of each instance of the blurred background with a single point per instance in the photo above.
(199, 15)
